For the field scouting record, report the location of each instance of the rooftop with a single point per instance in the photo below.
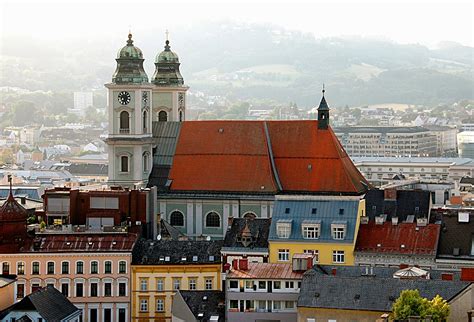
(171, 252)
(456, 237)
(403, 238)
(380, 129)
(266, 271)
(248, 233)
(204, 304)
(262, 157)
(51, 304)
(414, 160)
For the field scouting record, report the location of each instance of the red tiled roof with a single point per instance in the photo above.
(234, 156)
(84, 243)
(423, 241)
(266, 271)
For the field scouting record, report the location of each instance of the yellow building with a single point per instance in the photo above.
(160, 268)
(326, 226)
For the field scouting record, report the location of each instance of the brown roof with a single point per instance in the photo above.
(389, 238)
(262, 157)
(266, 271)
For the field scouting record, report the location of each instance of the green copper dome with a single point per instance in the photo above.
(130, 65)
(167, 56)
(167, 68)
(130, 51)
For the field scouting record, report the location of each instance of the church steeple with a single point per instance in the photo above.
(323, 113)
(167, 68)
(130, 65)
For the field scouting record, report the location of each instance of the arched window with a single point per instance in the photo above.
(146, 161)
(108, 267)
(145, 122)
(94, 267)
(213, 219)
(162, 116)
(250, 215)
(124, 163)
(181, 116)
(177, 218)
(124, 122)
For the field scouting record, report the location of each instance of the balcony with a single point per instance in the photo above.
(124, 131)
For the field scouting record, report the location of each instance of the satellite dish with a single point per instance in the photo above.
(158, 237)
(208, 238)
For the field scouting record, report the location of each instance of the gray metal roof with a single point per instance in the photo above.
(165, 137)
(327, 212)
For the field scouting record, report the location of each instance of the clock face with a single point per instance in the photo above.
(124, 98)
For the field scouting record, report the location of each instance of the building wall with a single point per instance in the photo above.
(461, 304)
(319, 314)
(86, 302)
(167, 273)
(393, 260)
(7, 295)
(195, 212)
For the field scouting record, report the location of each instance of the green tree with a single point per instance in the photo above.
(411, 303)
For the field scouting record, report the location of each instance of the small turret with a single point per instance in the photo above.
(323, 113)
(167, 68)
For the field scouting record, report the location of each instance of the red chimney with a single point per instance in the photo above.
(235, 264)
(244, 264)
(226, 267)
(467, 274)
(403, 266)
(447, 276)
(334, 271)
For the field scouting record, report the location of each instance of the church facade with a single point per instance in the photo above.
(208, 172)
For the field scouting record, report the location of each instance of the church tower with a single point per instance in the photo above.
(323, 113)
(169, 92)
(130, 124)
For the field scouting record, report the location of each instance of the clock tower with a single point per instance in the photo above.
(169, 92)
(129, 100)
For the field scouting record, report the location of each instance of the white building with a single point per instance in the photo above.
(83, 100)
(466, 144)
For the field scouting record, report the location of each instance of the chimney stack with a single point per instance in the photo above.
(244, 264)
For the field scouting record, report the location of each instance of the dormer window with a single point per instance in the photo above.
(338, 230)
(311, 229)
(284, 228)
(287, 210)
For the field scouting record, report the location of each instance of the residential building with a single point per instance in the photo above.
(352, 293)
(456, 240)
(162, 267)
(264, 291)
(198, 306)
(374, 141)
(380, 171)
(45, 304)
(466, 144)
(326, 226)
(246, 238)
(394, 244)
(446, 140)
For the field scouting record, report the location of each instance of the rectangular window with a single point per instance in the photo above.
(176, 283)
(283, 255)
(338, 231)
(104, 202)
(93, 315)
(338, 256)
(65, 289)
(311, 231)
(50, 267)
(143, 284)
(122, 267)
(262, 285)
(209, 283)
(276, 285)
(107, 289)
(65, 268)
(159, 284)
(57, 205)
(80, 268)
(289, 284)
(283, 230)
(20, 291)
(79, 290)
(143, 305)
(122, 317)
(249, 285)
(122, 289)
(276, 305)
(192, 283)
(94, 288)
(94, 267)
(20, 269)
(108, 267)
(160, 305)
(289, 305)
(107, 315)
(234, 304)
(233, 284)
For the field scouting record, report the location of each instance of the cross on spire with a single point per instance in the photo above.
(324, 91)
(167, 33)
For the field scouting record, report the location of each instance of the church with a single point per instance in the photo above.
(207, 172)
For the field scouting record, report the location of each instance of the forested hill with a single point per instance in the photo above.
(257, 61)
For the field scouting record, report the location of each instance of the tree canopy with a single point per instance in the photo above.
(411, 303)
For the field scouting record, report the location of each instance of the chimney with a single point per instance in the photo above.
(390, 194)
(226, 267)
(447, 276)
(235, 264)
(23, 200)
(394, 221)
(421, 222)
(230, 220)
(244, 264)
(334, 271)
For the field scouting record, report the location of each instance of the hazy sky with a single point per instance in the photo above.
(405, 21)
